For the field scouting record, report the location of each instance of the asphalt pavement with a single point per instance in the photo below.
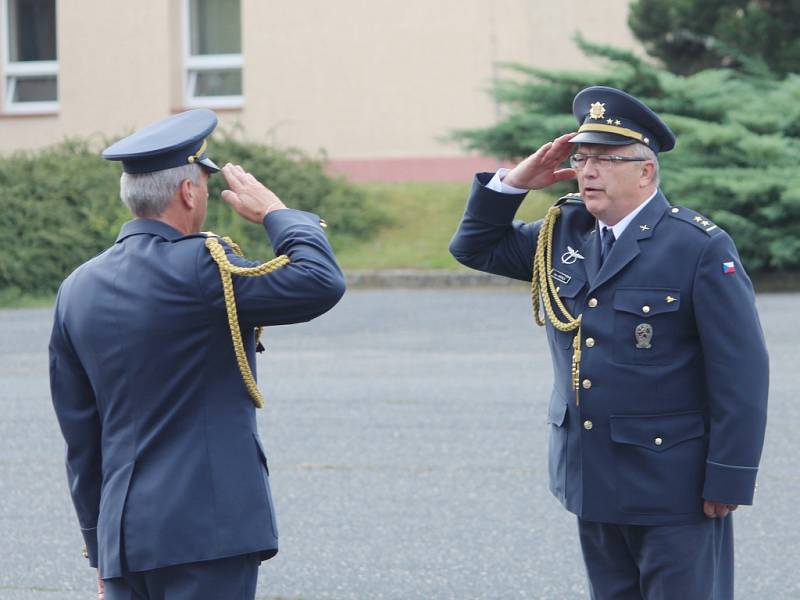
(406, 437)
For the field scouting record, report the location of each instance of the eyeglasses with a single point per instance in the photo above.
(603, 161)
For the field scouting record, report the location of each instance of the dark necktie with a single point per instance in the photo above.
(606, 244)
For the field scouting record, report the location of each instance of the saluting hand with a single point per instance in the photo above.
(248, 196)
(540, 169)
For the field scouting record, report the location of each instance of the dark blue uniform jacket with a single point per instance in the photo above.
(660, 428)
(163, 455)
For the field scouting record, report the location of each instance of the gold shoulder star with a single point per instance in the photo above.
(610, 121)
(597, 110)
(617, 122)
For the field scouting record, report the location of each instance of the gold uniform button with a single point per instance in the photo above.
(590, 342)
(587, 383)
(587, 425)
(592, 302)
(658, 441)
(645, 309)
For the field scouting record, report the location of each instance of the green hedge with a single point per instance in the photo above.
(60, 206)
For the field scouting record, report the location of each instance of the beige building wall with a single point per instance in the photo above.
(368, 81)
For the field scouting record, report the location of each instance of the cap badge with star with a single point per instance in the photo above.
(597, 110)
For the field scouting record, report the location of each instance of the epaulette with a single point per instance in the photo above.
(694, 218)
(571, 198)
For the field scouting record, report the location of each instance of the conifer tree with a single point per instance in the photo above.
(688, 36)
(736, 160)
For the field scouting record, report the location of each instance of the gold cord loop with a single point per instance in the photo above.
(226, 269)
(543, 293)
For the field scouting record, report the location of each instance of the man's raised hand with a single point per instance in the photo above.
(248, 196)
(541, 169)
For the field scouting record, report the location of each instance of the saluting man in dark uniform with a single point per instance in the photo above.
(658, 410)
(151, 370)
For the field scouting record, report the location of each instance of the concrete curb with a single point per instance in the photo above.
(432, 278)
(418, 278)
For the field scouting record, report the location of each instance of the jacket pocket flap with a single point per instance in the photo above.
(656, 432)
(647, 302)
(557, 410)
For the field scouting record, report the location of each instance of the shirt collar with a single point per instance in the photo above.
(620, 227)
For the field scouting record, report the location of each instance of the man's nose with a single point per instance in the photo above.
(590, 170)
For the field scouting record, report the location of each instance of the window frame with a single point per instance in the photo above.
(197, 63)
(14, 71)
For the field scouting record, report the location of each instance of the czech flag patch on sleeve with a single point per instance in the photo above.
(728, 267)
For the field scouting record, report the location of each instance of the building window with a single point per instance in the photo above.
(213, 42)
(30, 62)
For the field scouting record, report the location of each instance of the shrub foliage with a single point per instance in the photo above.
(60, 207)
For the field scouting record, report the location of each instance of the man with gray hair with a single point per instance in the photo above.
(152, 356)
(657, 416)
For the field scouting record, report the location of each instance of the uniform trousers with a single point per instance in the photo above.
(637, 562)
(231, 578)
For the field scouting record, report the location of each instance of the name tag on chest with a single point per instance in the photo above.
(560, 277)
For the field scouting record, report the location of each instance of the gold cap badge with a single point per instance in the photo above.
(598, 109)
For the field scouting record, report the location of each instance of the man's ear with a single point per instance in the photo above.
(185, 191)
(648, 173)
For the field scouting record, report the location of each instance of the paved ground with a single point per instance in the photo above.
(406, 437)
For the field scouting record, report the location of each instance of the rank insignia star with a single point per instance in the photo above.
(610, 121)
(617, 122)
(698, 219)
(597, 110)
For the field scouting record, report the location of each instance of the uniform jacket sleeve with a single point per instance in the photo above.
(75, 407)
(307, 287)
(737, 373)
(488, 239)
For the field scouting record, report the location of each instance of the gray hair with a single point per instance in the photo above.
(642, 151)
(149, 194)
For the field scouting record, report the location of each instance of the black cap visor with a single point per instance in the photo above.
(208, 165)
